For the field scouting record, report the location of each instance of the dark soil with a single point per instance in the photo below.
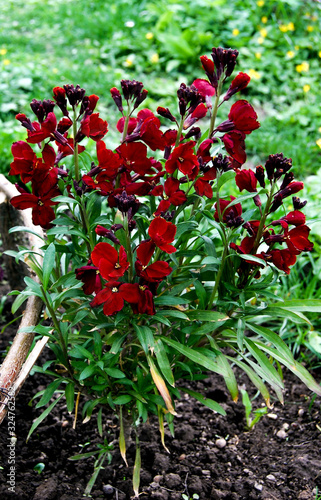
(211, 456)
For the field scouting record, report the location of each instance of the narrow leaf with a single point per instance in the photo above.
(43, 416)
(163, 362)
(48, 264)
(210, 403)
(161, 386)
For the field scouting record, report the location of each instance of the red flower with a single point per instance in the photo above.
(134, 156)
(239, 83)
(198, 113)
(109, 263)
(162, 233)
(131, 125)
(89, 275)
(101, 183)
(107, 159)
(297, 239)
(282, 259)
(203, 186)
(94, 127)
(111, 296)
(155, 272)
(243, 116)
(232, 215)
(24, 160)
(174, 195)
(150, 131)
(245, 179)
(204, 87)
(183, 159)
(44, 130)
(296, 218)
(235, 145)
(42, 213)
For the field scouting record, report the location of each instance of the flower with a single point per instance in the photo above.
(254, 74)
(90, 276)
(94, 127)
(230, 215)
(318, 143)
(303, 67)
(174, 195)
(310, 28)
(154, 59)
(235, 32)
(149, 35)
(260, 40)
(306, 88)
(290, 54)
(260, 3)
(258, 55)
(162, 233)
(245, 179)
(183, 159)
(263, 32)
(264, 19)
(110, 264)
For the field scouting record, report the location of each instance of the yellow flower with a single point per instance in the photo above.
(149, 35)
(297, 47)
(258, 55)
(260, 40)
(283, 28)
(254, 74)
(291, 26)
(290, 54)
(264, 19)
(129, 61)
(310, 28)
(154, 58)
(260, 3)
(3, 52)
(303, 67)
(318, 143)
(319, 53)
(6, 62)
(319, 130)
(55, 70)
(235, 32)
(306, 88)
(263, 32)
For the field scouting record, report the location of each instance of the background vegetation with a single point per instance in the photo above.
(47, 43)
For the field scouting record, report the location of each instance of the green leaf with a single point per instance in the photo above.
(43, 416)
(65, 199)
(229, 379)
(254, 378)
(184, 227)
(210, 403)
(201, 294)
(173, 314)
(169, 300)
(87, 372)
(163, 362)
(298, 305)
(199, 315)
(122, 400)
(196, 357)
(25, 229)
(70, 396)
(252, 258)
(48, 264)
(145, 336)
(48, 393)
(115, 373)
(227, 176)
(272, 337)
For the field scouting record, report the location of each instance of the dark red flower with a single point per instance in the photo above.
(232, 215)
(155, 272)
(94, 127)
(150, 131)
(44, 130)
(245, 179)
(101, 183)
(297, 239)
(183, 159)
(198, 113)
(243, 116)
(174, 195)
(296, 218)
(203, 186)
(162, 233)
(111, 297)
(204, 87)
(239, 83)
(132, 123)
(134, 156)
(108, 160)
(109, 262)
(90, 276)
(282, 259)
(235, 145)
(140, 298)
(24, 160)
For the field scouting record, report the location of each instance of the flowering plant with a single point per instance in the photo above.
(154, 272)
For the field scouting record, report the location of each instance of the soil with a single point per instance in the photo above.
(210, 456)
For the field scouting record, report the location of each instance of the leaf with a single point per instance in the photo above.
(229, 379)
(43, 416)
(173, 314)
(136, 471)
(87, 372)
(145, 336)
(49, 392)
(196, 357)
(25, 229)
(199, 315)
(252, 258)
(169, 300)
(65, 199)
(122, 441)
(122, 400)
(210, 403)
(184, 227)
(225, 177)
(48, 264)
(259, 384)
(298, 305)
(115, 373)
(201, 294)
(272, 337)
(161, 386)
(70, 396)
(163, 362)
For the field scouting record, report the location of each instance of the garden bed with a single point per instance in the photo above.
(262, 464)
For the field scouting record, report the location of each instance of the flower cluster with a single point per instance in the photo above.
(132, 181)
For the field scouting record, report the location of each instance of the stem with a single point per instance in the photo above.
(263, 219)
(76, 159)
(179, 132)
(129, 249)
(218, 277)
(126, 122)
(216, 104)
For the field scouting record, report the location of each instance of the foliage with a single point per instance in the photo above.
(154, 273)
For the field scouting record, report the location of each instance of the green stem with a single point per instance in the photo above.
(215, 107)
(76, 159)
(263, 219)
(126, 122)
(179, 132)
(128, 249)
(218, 277)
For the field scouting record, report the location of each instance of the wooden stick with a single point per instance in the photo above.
(16, 366)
